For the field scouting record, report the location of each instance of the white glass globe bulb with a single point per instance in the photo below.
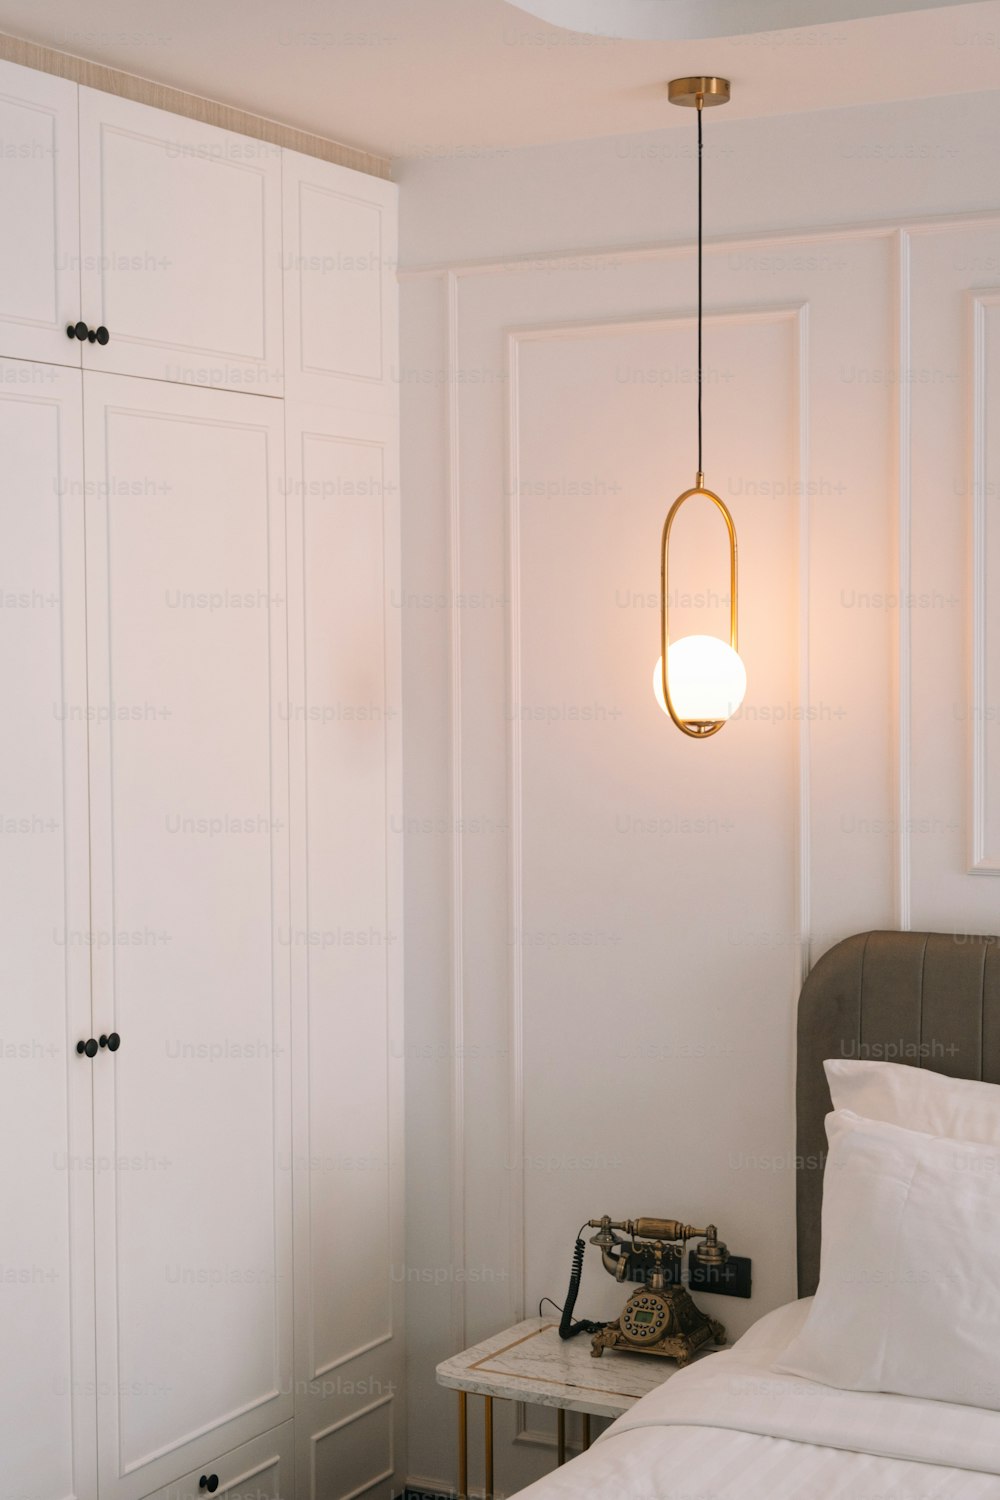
(707, 679)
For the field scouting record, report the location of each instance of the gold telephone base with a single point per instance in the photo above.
(664, 1322)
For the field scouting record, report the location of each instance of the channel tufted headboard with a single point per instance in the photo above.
(929, 999)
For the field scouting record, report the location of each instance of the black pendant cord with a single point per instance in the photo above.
(701, 148)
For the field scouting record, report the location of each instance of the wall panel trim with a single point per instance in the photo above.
(904, 586)
(798, 315)
(549, 260)
(804, 814)
(982, 861)
(458, 1301)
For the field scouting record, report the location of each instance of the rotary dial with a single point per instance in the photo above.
(645, 1319)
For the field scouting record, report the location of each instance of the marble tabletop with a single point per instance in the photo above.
(530, 1362)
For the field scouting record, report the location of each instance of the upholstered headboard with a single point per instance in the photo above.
(929, 999)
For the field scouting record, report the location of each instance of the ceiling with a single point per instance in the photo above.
(672, 20)
(465, 77)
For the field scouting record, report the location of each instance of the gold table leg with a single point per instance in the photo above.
(463, 1442)
(463, 1446)
(489, 1447)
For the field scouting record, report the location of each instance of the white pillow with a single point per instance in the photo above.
(909, 1289)
(917, 1099)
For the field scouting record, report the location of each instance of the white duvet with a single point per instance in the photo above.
(730, 1428)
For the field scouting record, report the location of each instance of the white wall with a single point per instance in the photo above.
(606, 922)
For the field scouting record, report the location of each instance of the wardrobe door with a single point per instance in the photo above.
(39, 231)
(341, 298)
(181, 242)
(346, 951)
(187, 643)
(47, 1376)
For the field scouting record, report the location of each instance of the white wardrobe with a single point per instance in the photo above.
(200, 871)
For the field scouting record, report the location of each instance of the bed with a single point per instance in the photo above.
(732, 1427)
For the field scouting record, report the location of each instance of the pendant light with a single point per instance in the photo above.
(699, 680)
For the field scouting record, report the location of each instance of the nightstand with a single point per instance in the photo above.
(531, 1363)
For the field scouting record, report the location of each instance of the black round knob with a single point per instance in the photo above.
(102, 335)
(71, 330)
(81, 330)
(112, 1042)
(91, 336)
(209, 1482)
(90, 1048)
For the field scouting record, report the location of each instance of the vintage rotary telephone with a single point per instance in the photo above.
(659, 1317)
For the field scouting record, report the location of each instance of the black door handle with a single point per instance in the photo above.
(93, 335)
(112, 1041)
(209, 1482)
(90, 1048)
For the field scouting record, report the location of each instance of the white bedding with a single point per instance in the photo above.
(730, 1428)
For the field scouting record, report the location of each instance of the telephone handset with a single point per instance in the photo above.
(659, 1317)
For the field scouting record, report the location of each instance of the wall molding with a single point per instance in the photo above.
(453, 278)
(515, 846)
(669, 249)
(798, 315)
(901, 240)
(178, 102)
(982, 861)
(901, 232)
(457, 997)
(803, 842)
(904, 586)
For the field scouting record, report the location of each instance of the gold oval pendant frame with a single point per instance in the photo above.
(697, 729)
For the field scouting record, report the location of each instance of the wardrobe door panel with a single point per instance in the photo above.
(190, 837)
(345, 944)
(40, 233)
(259, 1470)
(341, 324)
(47, 1374)
(181, 237)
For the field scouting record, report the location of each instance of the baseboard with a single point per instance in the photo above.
(433, 1489)
(422, 1488)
